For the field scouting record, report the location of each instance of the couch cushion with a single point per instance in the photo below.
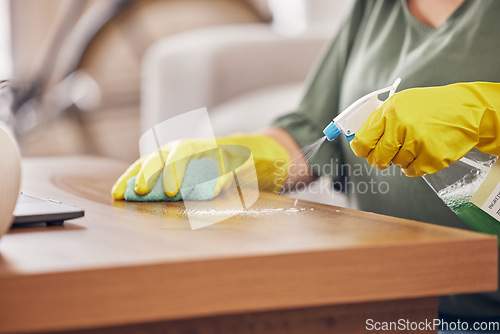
(254, 110)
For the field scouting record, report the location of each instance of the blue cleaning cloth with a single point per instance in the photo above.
(200, 180)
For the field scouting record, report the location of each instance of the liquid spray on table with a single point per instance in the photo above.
(461, 186)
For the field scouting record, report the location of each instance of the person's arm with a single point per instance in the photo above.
(299, 170)
(423, 130)
(320, 104)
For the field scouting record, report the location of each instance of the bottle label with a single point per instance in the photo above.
(487, 197)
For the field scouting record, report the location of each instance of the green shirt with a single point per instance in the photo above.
(381, 41)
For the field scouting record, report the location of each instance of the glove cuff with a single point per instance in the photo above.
(271, 159)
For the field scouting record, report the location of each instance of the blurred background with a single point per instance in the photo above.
(88, 77)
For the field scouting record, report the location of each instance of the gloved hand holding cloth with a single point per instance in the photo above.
(188, 163)
(423, 130)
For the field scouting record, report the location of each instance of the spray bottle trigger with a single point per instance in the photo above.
(394, 87)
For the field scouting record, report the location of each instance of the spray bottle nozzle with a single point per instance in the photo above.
(353, 117)
(332, 131)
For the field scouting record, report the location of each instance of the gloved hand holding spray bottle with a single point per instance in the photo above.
(462, 186)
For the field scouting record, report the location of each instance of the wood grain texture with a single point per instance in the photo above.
(126, 263)
(342, 319)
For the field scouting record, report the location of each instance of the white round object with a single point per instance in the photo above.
(10, 177)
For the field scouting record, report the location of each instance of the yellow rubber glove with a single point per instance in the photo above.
(270, 158)
(423, 130)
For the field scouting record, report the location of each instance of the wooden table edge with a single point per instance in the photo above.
(160, 291)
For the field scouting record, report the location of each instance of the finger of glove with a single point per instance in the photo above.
(407, 153)
(151, 168)
(118, 190)
(369, 134)
(429, 160)
(403, 158)
(385, 150)
(173, 174)
(424, 164)
(413, 169)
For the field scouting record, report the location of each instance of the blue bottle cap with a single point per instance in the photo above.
(331, 131)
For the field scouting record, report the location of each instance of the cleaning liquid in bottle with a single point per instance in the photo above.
(470, 187)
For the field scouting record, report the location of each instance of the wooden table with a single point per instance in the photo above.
(137, 267)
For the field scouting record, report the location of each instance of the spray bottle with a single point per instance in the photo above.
(351, 119)
(461, 186)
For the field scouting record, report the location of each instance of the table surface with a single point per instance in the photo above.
(134, 256)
